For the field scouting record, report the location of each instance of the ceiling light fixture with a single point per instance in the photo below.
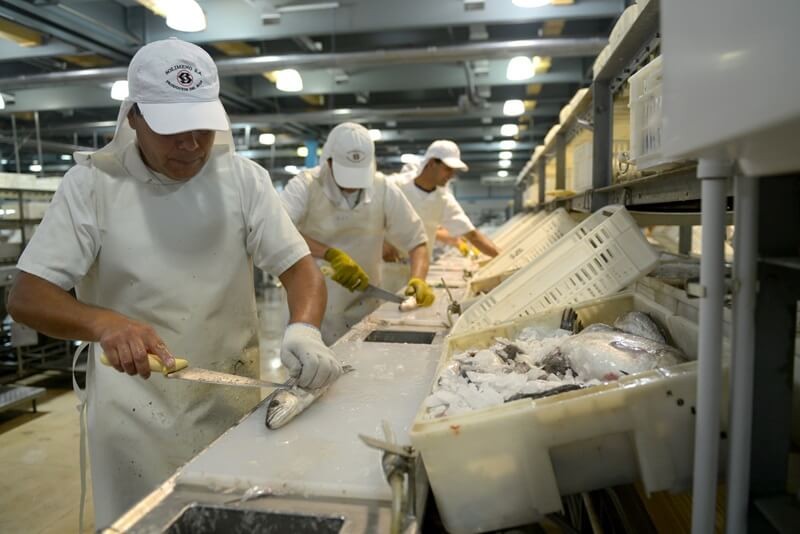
(292, 169)
(522, 67)
(513, 108)
(531, 3)
(288, 81)
(2, 102)
(266, 139)
(508, 144)
(185, 16)
(504, 163)
(35, 168)
(509, 130)
(66, 157)
(505, 155)
(502, 174)
(409, 158)
(302, 151)
(375, 134)
(119, 90)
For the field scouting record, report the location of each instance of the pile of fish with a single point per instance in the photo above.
(545, 361)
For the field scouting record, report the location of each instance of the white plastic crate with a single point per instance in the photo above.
(509, 465)
(503, 228)
(646, 115)
(529, 246)
(599, 257)
(522, 228)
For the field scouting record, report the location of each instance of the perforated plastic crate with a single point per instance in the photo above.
(520, 229)
(582, 166)
(602, 255)
(543, 236)
(646, 116)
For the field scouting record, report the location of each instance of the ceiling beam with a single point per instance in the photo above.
(242, 21)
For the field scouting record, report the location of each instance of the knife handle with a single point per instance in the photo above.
(155, 364)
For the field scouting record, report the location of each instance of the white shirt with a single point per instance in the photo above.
(451, 217)
(65, 245)
(401, 224)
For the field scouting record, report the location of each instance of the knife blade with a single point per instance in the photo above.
(182, 371)
(378, 293)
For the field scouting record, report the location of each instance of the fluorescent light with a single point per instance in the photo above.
(520, 68)
(316, 6)
(375, 134)
(35, 168)
(119, 90)
(302, 151)
(266, 139)
(185, 16)
(291, 169)
(505, 155)
(513, 108)
(288, 81)
(409, 158)
(342, 111)
(507, 144)
(504, 163)
(531, 3)
(3, 162)
(8, 212)
(502, 174)
(2, 102)
(66, 157)
(509, 130)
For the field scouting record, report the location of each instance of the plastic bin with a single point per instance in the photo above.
(520, 229)
(509, 465)
(599, 257)
(536, 242)
(646, 116)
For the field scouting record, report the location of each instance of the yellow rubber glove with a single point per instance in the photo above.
(346, 272)
(474, 251)
(421, 291)
(463, 247)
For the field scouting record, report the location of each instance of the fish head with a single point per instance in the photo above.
(282, 406)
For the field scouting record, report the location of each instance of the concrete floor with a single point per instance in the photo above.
(40, 486)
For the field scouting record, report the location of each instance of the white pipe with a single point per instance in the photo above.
(709, 354)
(744, 310)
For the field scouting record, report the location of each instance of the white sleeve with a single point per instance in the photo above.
(295, 198)
(66, 243)
(454, 220)
(272, 239)
(404, 228)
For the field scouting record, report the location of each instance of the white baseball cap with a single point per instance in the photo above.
(353, 153)
(176, 87)
(447, 152)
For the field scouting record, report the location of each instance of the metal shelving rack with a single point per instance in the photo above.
(769, 507)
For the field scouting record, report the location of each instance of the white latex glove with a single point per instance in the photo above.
(305, 355)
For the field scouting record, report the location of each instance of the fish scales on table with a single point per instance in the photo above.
(545, 361)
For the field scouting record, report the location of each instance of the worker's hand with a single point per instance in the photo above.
(346, 271)
(390, 253)
(463, 247)
(306, 356)
(126, 344)
(421, 291)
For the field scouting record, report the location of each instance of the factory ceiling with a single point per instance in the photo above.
(416, 70)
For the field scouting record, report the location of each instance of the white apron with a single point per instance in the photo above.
(172, 256)
(359, 232)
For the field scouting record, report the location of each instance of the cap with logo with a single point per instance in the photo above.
(446, 151)
(176, 87)
(353, 153)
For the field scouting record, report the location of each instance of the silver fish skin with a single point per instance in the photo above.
(283, 405)
(640, 324)
(608, 355)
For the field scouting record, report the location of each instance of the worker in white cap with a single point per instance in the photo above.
(158, 233)
(344, 211)
(437, 207)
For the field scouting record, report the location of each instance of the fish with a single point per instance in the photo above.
(640, 324)
(548, 393)
(284, 404)
(610, 354)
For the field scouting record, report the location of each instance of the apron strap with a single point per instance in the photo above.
(82, 409)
